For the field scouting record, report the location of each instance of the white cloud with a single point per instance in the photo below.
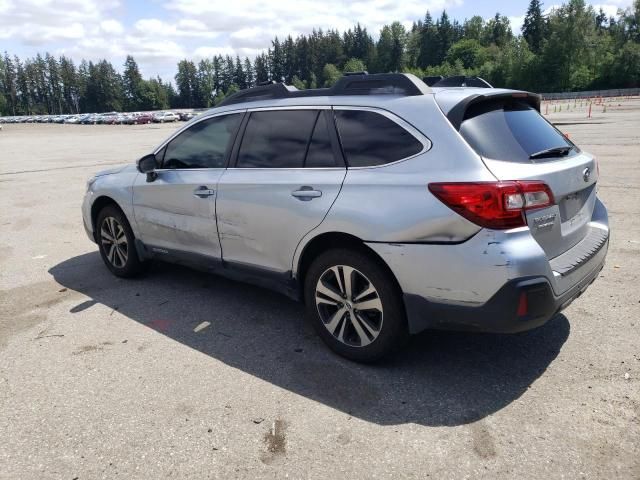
(610, 9)
(208, 52)
(153, 27)
(39, 22)
(112, 27)
(294, 17)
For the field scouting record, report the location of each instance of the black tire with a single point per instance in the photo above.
(388, 323)
(132, 265)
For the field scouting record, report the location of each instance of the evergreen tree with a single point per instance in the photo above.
(276, 61)
(206, 83)
(533, 28)
(10, 89)
(70, 85)
(445, 37)
(261, 68)
(239, 77)
(131, 85)
(427, 54)
(472, 29)
(187, 84)
(391, 48)
(248, 73)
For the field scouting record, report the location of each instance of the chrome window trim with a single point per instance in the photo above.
(302, 169)
(423, 139)
(291, 107)
(417, 134)
(188, 169)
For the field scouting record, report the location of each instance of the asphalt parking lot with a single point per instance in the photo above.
(185, 375)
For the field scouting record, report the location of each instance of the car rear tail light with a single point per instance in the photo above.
(498, 205)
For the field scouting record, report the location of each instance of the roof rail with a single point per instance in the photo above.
(356, 83)
(462, 81)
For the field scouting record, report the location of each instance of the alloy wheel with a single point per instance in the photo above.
(349, 306)
(114, 242)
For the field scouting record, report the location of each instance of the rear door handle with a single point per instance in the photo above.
(306, 193)
(203, 192)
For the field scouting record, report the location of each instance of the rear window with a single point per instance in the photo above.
(511, 131)
(370, 139)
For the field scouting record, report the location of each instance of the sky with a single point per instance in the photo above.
(159, 33)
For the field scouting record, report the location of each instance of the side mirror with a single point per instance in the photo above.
(148, 164)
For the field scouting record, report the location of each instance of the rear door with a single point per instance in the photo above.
(517, 143)
(288, 171)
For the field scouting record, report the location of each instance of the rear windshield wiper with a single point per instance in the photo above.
(551, 152)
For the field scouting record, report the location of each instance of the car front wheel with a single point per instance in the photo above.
(354, 305)
(117, 243)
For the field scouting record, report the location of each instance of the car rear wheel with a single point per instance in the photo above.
(354, 305)
(117, 243)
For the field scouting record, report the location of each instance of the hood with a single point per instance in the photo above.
(118, 169)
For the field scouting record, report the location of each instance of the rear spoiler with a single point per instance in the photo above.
(457, 113)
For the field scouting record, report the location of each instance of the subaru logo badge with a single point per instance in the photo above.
(586, 173)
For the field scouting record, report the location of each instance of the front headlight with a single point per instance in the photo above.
(90, 182)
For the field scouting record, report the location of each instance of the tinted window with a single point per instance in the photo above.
(204, 145)
(369, 138)
(320, 153)
(511, 132)
(276, 139)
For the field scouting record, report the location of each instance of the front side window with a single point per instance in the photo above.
(204, 145)
(370, 139)
(277, 139)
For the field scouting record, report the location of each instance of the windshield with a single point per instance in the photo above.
(513, 131)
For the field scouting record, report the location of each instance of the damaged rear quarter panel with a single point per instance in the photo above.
(447, 273)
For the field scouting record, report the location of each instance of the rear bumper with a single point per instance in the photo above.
(533, 295)
(479, 284)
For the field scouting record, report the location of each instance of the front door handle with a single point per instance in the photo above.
(203, 192)
(306, 193)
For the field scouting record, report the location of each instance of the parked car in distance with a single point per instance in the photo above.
(123, 118)
(388, 207)
(143, 118)
(163, 117)
(110, 118)
(186, 116)
(89, 119)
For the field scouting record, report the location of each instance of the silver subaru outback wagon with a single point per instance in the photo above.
(386, 206)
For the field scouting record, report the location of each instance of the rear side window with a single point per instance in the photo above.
(511, 131)
(204, 145)
(277, 139)
(370, 139)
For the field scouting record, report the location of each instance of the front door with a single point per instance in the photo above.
(175, 212)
